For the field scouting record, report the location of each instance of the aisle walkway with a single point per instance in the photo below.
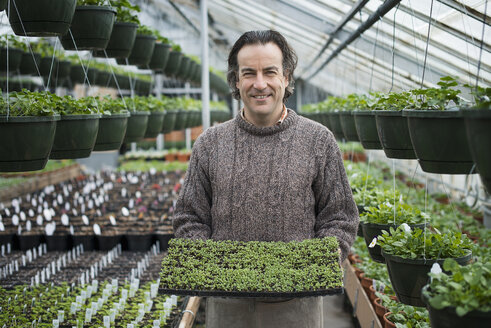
(334, 313)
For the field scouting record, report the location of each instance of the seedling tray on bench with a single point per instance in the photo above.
(252, 269)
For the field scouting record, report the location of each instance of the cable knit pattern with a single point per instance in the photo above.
(280, 183)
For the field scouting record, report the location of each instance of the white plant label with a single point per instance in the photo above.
(131, 203)
(39, 220)
(15, 220)
(31, 213)
(138, 194)
(97, 229)
(49, 229)
(28, 226)
(406, 227)
(65, 220)
(22, 216)
(125, 211)
(59, 199)
(436, 269)
(85, 219)
(123, 192)
(2, 227)
(47, 214)
(72, 232)
(67, 206)
(112, 219)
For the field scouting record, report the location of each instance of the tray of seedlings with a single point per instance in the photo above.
(252, 269)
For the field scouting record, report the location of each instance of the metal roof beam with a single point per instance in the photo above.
(466, 10)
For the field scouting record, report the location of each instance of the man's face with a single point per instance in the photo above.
(261, 81)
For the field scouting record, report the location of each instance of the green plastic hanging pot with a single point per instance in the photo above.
(29, 62)
(75, 136)
(348, 126)
(173, 63)
(137, 125)
(181, 120)
(121, 41)
(91, 28)
(478, 132)
(160, 57)
(15, 58)
(62, 70)
(103, 78)
(25, 142)
(142, 51)
(183, 68)
(47, 66)
(335, 124)
(123, 81)
(439, 141)
(393, 134)
(409, 276)
(191, 70)
(143, 88)
(3, 4)
(154, 126)
(366, 127)
(77, 74)
(448, 318)
(41, 17)
(112, 129)
(169, 121)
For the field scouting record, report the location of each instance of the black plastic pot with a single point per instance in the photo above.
(15, 58)
(112, 129)
(77, 74)
(143, 88)
(448, 318)
(62, 70)
(335, 124)
(164, 240)
(25, 142)
(27, 242)
(16, 84)
(372, 230)
(103, 78)
(169, 121)
(88, 241)
(28, 63)
(106, 243)
(173, 63)
(58, 243)
(139, 243)
(191, 70)
(7, 238)
(181, 120)
(409, 276)
(91, 28)
(154, 126)
(366, 127)
(183, 68)
(142, 51)
(393, 134)
(41, 17)
(75, 136)
(121, 42)
(478, 132)
(348, 126)
(137, 125)
(159, 58)
(47, 67)
(439, 141)
(3, 4)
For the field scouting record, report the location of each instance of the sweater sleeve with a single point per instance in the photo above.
(336, 211)
(192, 216)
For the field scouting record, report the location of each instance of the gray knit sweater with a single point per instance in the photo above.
(280, 183)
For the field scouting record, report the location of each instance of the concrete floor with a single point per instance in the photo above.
(335, 316)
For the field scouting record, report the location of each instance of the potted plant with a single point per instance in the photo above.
(437, 131)
(381, 218)
(91, 27)
(410, 254)
(143, 48)
(174, 61)
(3, 4)
(143, 84)
(138, 121)
(461, 297)
(15, 51)
(401, 315)
(79, 69)
(76, 132)
(112, 124)
(41, 17)
(28, 123)
(336, 104)
(170, 116)
(366, 127)
(160, 53)
(346, 118)
(219, 112)
(156, 118)
(124, 31)
(477, 125)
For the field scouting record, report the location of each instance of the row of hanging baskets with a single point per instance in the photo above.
(444, 140)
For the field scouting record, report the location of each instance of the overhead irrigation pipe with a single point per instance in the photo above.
(332, 34)
(380, 12)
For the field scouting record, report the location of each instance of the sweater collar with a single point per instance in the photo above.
(290, 120)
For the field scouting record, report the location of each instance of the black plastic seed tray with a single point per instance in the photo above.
(222, 293)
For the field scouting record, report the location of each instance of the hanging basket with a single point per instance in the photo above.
(408, 276)
(75, 136)
(91, 28)
(160, 57)
(3, 4)
(47, 65)
(112, 129)
(183, 68)
(77, 74)
(25, 142)
(15, 58)
(439, 141)
(367, 129)
(41, 17)
(121, 41)
(173, 63)
(137, 125)
(393, 134)
(335, 124)
(62, 70)
(29, 62)
(181, 120)
(348, 126)
(169, 121)
(154, 126)
(478, 132)
(103, 78)
(142, 51)
(143, 88)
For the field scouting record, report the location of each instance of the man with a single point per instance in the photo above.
(266, 175)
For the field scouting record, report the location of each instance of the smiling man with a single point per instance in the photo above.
(266, 175)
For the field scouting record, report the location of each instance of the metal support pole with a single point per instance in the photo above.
(298, 91)
(187, 131)
(205, 77)
(235, 107)
(158, 93)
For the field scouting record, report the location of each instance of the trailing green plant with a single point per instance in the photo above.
(218, 105)
(160, 38)
(391, 101)
(465, 288)
(13, 42)
(385, 213)
(437, 98)
(144, 30)
(108, 105)
(92, 2)
(482, 96)
(28, 103)
(126, 11)
(355, 101)
(252, 266)
(145, 166)
(176, 47)
(372, 197)
(414, 244)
